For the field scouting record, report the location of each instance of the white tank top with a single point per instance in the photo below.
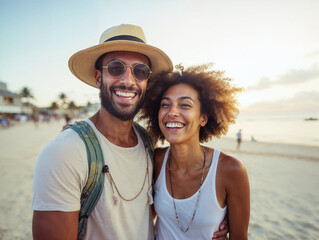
(208, 216)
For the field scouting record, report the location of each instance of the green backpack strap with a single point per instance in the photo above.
(95, 183)
(147, 140)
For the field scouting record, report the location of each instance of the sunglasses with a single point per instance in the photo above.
(117, 68)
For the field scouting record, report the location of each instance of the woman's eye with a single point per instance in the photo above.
(185, 105)
(164, 105)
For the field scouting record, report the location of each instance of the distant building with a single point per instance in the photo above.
(29, 109)
(10, 103)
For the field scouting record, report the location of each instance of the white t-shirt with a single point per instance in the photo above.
(61, 172)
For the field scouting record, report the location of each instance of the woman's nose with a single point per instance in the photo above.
(173, 112)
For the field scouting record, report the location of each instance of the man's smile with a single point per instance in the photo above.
(128, 95)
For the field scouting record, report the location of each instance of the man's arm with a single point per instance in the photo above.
(60, 174)
(55, 225)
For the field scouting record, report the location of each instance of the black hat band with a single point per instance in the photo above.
(125, 37)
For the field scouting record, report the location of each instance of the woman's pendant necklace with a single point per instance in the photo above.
(198, 196)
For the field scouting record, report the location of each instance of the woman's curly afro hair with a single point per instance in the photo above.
(216, 94)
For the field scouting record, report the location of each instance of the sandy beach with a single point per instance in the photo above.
(19, 148)
(284, 181)
(283, 186)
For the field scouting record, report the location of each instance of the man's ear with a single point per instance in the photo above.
(98, 79)
(204, 119)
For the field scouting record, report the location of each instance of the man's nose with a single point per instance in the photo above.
(128, 78)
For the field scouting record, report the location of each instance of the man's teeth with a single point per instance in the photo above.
(174, 125)
(124, 94)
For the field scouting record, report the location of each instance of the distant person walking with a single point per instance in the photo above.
(238, 134)
(67, 118)
(5, 122)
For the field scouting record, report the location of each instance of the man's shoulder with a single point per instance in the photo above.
(67, 137)
(66, 143)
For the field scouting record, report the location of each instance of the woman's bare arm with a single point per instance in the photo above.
(237, 197)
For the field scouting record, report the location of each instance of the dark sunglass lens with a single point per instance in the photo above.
(115, 68)
(141, 72)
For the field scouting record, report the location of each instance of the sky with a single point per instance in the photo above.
(270, 48)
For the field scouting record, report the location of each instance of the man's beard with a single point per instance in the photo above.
(123, 114)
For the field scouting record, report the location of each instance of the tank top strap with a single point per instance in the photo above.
(212, 176)
(215, 160)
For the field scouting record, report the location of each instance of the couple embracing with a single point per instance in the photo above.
(198, 192)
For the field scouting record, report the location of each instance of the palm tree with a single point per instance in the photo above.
(63, 99)
(87, 108)
(26, 93)
(72, 106)
(54, 106)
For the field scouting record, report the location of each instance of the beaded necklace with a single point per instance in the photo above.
(198, 196)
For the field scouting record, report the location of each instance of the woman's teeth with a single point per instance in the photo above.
(174, 125)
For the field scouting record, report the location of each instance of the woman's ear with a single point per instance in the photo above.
(97, 76)
(204, 119)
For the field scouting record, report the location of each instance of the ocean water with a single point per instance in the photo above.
(294, 130)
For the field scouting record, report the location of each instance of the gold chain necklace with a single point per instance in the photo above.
(201, 183)
(140, 191)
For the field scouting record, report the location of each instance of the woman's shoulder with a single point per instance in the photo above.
(232, 173)
(230, 165)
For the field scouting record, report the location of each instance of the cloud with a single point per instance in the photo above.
(312, 54)
(302, 102)
(299, 76)
(291, 77)
(263, 83)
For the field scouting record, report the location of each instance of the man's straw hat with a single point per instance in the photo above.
(124, 37)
